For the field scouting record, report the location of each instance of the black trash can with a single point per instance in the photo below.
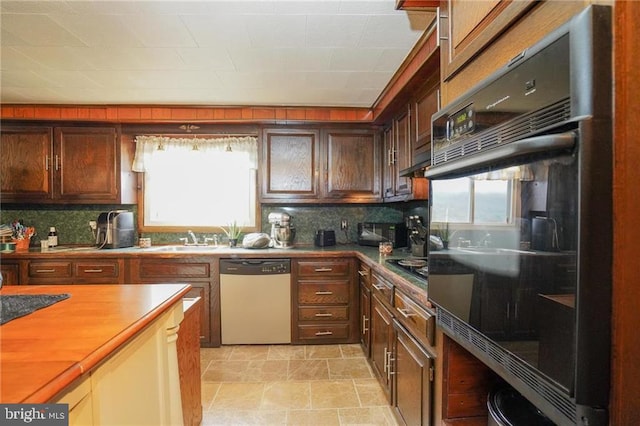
(508, 408)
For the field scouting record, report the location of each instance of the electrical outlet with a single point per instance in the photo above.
(344, 224)
(93, 225)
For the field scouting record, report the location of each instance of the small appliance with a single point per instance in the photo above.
(115, 229)
(282, 230)
(373, 233)
(325, 238)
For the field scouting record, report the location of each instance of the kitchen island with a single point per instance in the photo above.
(109, 351)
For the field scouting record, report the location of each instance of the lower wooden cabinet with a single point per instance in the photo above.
(196, 271)
(74, 271)
(382, 344)
(413, 372)
(402, 354)
(188, 346)
(325, 302)
(10, 273)
(364, 273)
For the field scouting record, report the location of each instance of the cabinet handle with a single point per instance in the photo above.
(45, 271)
(324, 333)
(323, 293)
(92, 271)
(389, 157)
(57, 162)
(406, 312)
(47, 160)
(324, 315)
(362, 273)
(380, 287)
(324, 269)
(364, 324)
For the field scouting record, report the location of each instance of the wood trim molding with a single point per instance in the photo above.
(625, 380)
(194, 114)
(422, 62)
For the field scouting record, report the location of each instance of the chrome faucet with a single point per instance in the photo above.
(193, 237)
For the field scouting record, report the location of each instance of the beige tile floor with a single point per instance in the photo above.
(291, 385)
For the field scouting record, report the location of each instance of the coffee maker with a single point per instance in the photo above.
(282, 231)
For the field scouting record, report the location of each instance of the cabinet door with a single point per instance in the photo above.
(10, 273)
(381, 343)
(291, 158)
(26, 156)
(413, 375)
(352, 165)
(365, 319)
(86, 164)
(389, 171)
(402, 156)
(472, 25)
(425, 106)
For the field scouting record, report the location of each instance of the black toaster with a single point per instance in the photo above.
(325, 238)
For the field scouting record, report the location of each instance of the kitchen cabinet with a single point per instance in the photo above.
(403, 351)
(382, 334)
(320, 165)
(10, 273)
(325, 302)
(413, 368)
(469, 27)
(199, 272)
(413, 372)
(188, 347)
(74, 271)
(425, 104)
(364, 272)
(61, 165)
(291, 164)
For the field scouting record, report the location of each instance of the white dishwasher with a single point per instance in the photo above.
(255, 301)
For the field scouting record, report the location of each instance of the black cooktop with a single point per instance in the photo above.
(416, 266)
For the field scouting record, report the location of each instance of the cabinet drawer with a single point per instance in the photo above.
(166, 268)
(382, 288)
(50, 269)
(416, 319)
(323, 313)
(96, 270)
(364, 272)
(334, 268)
(323, 332)
(323, 293)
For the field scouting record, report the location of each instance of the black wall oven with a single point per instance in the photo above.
(529, 294)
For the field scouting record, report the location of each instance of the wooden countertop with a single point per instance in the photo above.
(44, 352)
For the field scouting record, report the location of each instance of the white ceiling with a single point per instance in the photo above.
(215, 52)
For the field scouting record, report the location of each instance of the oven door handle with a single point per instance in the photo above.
(475, 162)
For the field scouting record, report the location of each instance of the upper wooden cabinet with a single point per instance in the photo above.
(290, 164)
(327, 165)
(352, 165)
(467, 27)
(61, 165)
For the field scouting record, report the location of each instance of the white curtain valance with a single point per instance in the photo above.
(148, 146)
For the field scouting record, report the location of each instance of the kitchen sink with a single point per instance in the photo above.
(182, 248)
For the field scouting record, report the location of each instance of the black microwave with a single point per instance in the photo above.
(374, 233)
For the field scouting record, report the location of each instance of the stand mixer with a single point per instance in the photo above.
(282, 231)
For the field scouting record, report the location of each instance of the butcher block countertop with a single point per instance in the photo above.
(44, 352)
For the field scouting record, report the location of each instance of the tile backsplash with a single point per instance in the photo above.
(72, 222)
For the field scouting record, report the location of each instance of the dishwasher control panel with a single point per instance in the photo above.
(255, 266)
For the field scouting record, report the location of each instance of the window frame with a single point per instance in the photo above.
(140, 196)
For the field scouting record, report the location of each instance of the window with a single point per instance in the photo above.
(197, 182)
(473, 200)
